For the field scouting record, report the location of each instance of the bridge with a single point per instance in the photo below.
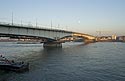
(53, 36)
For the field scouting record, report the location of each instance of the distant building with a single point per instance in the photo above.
(122, 38)
(114, 37)
(105, 38)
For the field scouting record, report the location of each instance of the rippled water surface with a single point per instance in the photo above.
(72, 62)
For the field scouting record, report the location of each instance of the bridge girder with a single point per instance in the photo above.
(18, 31)
(50, 34)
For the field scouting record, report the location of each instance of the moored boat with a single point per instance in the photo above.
(9, 65)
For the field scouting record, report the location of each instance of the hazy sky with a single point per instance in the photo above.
(86, 16)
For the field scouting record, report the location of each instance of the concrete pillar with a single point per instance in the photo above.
(52, 44)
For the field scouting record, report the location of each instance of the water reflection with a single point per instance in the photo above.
(72, 62)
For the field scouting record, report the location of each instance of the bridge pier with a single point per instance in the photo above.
(52, 44)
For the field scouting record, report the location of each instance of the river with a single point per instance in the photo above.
(102, 61)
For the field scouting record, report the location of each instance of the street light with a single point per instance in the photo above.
(12, 18)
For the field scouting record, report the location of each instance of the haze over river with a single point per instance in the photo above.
(102, 61)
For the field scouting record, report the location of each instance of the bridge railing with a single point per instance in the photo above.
(29, 26)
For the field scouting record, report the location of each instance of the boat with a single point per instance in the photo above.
(9, 65)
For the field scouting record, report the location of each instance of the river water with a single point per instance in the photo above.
(73, 62)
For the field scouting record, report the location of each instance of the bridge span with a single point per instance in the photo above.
(52, 36)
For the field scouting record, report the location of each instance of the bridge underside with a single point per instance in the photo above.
(76, 38)
(13, 36)
(47, 42)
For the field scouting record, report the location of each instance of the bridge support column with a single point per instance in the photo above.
(52, 44)
(87, 41)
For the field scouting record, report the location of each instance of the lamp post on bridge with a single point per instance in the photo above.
(51, 24)
(36, 22)
(21, 23)
(12, 18)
